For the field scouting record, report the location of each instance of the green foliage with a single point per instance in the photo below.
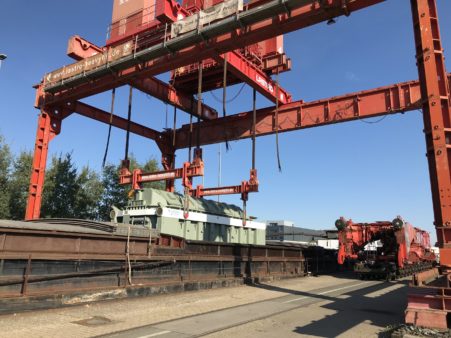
(60, 189)
(19, 184)
(113, 193)
(152, 166)
(5, 169)
(67, 193)
(90, 189)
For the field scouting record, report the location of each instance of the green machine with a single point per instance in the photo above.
(206, 220)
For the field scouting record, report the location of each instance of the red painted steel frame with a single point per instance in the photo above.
(429, 305)
(297, 115)
(304, 16)
(244, 70)
(48, 128)
(391, 99)
(299, 18)
(244, 189)
(79, 48)
(437, 117)
(186, 173)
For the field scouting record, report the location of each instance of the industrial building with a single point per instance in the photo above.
(286, 231)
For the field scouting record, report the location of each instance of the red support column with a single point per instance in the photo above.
(48, 128)
(428, 305)
(437, 119)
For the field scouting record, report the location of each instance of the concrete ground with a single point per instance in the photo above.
(326, 306)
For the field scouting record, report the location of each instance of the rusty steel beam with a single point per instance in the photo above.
(247, 72)
(79, 49)
(49, 125)
(307, 14)
(170, 95)
(299, 115)
(117, 121)
(437, 117)
(48, 128)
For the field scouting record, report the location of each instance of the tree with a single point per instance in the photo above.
(19, 185)
(113, 193)
(5, 169)
(60, 189)
(88, 194)
(152, 166)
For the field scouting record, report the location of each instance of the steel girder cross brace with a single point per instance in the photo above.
(49, 125)
(298, 115)
(437, 118)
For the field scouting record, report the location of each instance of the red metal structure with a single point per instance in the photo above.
(245, 43)
(405, 249)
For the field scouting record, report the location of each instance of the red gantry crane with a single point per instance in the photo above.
(212, 44)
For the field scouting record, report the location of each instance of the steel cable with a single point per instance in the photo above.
(224, 100)
(254, 121)
(174, 127)
(199, 105)
(276, 117)
(113, 96)
(129, 116)
(229, 100)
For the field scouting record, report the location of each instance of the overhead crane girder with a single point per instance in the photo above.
(396, 98)
(285, 16)
(248, 73)
(79, 49)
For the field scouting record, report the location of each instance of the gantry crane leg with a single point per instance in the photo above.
(430, 307)
(48, 127)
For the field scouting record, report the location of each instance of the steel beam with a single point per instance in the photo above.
(437, 117)
(170, 95)
(79, 49)
(48, 128)
(261, 23)
(49, 125)
(117, 121)
(247, 72)
(298, 115)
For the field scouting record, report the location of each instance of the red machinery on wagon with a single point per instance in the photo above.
(402, 250)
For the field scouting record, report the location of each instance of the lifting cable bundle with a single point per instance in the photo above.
(113, 96)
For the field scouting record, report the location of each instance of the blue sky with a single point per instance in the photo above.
(362, 171)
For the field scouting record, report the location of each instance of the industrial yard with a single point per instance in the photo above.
(323, 306)
(166, 196)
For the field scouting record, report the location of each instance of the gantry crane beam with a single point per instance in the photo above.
(49, 125)
(262, 22)
(79, 48)
(297, 115)
(401, 97)
(247, 72)
(116, 121)
(168, 94)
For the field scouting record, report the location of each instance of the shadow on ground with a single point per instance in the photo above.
(381, 305)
